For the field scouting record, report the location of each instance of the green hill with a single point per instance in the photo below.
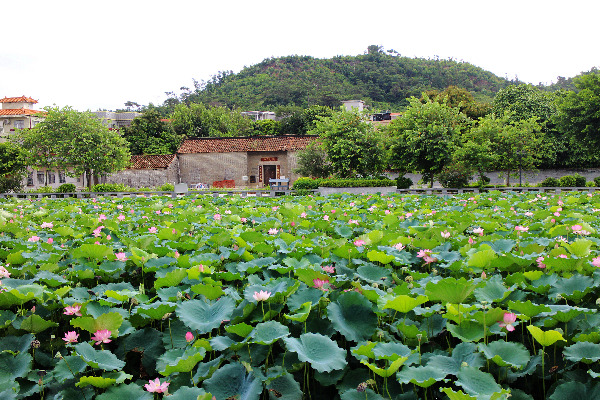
(383, 80)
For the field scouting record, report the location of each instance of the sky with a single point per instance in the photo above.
(99, 55)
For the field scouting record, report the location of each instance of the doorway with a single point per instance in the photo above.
(270, 172)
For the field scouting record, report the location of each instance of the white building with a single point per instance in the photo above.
(350, 104)
(17, 113)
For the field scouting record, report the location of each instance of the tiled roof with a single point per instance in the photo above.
(151, 161)
(21, 99)
(243, 144)
(20, 111)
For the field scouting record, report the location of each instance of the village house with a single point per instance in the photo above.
(17, 113)
(148, 171)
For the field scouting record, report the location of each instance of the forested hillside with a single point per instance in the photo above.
(383, 79)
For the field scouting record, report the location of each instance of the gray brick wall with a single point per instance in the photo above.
(138, 178)
(209, 167)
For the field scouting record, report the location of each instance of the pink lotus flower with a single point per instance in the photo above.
(445, 234)
(120, 206)
(528, 214)
(540, 261)
(243, 220)
(399, 246)
(352, 221)
(320, 283)
(156, 387)
(73, 310)
(121, 256)
(508, 320)
(34, 239)
(408, 215)
(47, 225)
(217, 217)
(262, 295)
(176, 255)
(563, 256)
(102, 336)
(303, 215)
(471, 241)
(423, 253)
(478, 231)
(5, 274)
(273, 231)
(328, 268)
(189, 336)
(101, 218)
(326, 217)
(520, 228)
(98, 231)
(576, 228)
(557, 214)
(596, 262)
(121, 218)
(71, 337)
(50, 241)
(359, 242)
(152, 229)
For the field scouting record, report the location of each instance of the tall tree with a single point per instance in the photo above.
(579, 119)
(76, 142)
(148, 134)
(352, 145)
(460, 98)
(197, 120)
(13, 167)
(424, 137)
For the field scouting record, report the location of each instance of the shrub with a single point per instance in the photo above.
(306, 183)
(402, 182)
(597, 181)
(111, 187)
(42, 189)
(454, 176)
(579, 180)
(549, 182)
(356, 182)
(567, 181)
(66, 188)
(167, 187)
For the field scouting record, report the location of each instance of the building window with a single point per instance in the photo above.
(51, 177)
(61, 177)
(40, 176)
(30, 179)
(19, 124)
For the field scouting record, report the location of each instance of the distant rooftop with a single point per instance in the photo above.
(22, 99)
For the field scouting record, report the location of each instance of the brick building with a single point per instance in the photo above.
(249, 161)
(148, 171)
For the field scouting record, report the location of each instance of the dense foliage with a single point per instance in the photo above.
(350, 297)
(148, 134)
(13, 167)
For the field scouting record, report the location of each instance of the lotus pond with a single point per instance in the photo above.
(349, 297)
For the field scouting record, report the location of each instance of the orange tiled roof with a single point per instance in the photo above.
(20, 111)
(243, 144)
(21, 99)
(151, 161)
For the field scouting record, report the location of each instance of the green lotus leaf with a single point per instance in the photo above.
(67, 367)
(92, 251)
(467, 331)
(171, 278)
(582, 351)
(204, 317)
(489, 316)
(374, 274)
(111, 321)
(242, 329)
(129, 391)
(390, 351)
(545, 338)
(269, 332)
(482, 259)
(321, 352)
(502, 245)
(364, 350)
(575, 391)
(464, 352)
(405, 303)
(102, 359)
(211, 292)
(232, 381)
(460, 395)
(285, 387)
(450, 290)
(478, 383)
(527, 308)
(301, 313)
(96, 381)
(386, 372)
(380, 257)
(579, 248)
(353, 394)
(190, 393)
(420, 376)
(156, 310)
(352, 315)
(494, 290)
(179, 360)
(13, 367)
(506, 354)
(573, 288)
(35, 324)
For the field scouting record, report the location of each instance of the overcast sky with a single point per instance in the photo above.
(98, 55)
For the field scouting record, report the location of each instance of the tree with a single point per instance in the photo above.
(312, 161)
(460, 98)
(197, 120)
(76, 142)
(352, 145)
(13, 167)
(579, 119)
(500, 143)
(149, 135)
(424, 137)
